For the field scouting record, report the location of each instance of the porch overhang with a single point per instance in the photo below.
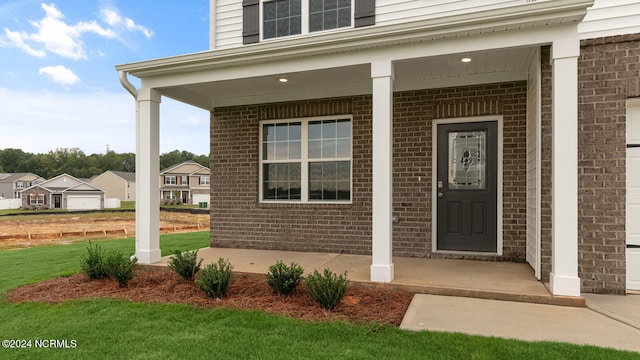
(318, 64)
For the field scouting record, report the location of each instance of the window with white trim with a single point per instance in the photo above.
(204, 180)
(36, 199)
(170, 180)
(293, 17)
(306, 160)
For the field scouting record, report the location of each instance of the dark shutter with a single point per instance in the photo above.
(365, 13)
(250, 21)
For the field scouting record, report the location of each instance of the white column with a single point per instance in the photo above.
(564, 247)
(382, 262)
(148, 176)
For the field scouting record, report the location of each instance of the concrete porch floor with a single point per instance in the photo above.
(478, 279)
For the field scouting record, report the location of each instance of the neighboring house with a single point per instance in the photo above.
(11, 184)
(501, 130)
(63, 192)
(117, 184)
(187, 182)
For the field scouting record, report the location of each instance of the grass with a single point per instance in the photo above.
(120, 329)
(44, 262)
(127, 205)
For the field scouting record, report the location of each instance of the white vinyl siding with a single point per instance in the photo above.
(606, 17)
(533, 164)
(227, 24)
(394, 11)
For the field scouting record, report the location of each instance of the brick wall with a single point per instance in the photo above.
(239, 220)
(608, 73)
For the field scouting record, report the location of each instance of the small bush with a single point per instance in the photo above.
(214, 279)
(327, 289)
(283, 279)
(120, 267)
(93, 263)
(186, 263)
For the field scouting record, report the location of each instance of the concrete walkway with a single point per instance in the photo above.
(527, 321)
(525, 309)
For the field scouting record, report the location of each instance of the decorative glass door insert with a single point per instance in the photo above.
(467, 160)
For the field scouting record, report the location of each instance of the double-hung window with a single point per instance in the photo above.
(204, 180)
(292, 17)
(170, 180)
(306, 160)
(36, 199)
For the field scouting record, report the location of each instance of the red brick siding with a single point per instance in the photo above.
(239, 220)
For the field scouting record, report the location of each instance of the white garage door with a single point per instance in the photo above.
(633, 195)
(198, 198)
(83, 202)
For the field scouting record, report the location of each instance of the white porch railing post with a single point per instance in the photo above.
(382, 262)
(564, 278)
(148, 176)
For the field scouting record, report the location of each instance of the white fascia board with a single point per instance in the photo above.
(362, 38)
(406, 51)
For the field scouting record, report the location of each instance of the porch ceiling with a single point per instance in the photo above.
(421, 73)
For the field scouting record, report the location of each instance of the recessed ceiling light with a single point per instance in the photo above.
(466, 59)
(283, 80)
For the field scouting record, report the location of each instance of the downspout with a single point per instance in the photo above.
(124, 81)
(122, 75)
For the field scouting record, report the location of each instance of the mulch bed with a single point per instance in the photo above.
(360, 304)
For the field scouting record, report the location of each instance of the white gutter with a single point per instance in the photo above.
(122, 75)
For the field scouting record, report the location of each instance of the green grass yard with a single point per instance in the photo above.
(109, 329)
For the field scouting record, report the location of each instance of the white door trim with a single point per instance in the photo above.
(434, 180)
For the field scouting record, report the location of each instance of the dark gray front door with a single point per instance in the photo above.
(466, 186)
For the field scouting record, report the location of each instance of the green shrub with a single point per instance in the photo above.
(215, 278)
(327, 289)
(186, 263)
(120, 267)
(283, 279)
(93, 263)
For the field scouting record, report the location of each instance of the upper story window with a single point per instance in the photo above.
(292, 17)
(20, 185)
(306, 160)
(204, 180)
(184, 180)
(269, 19)
(329, 14)
(170, 180)
(281, 18)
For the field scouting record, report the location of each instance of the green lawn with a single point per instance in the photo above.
(123, 330)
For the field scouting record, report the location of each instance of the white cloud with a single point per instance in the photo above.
(60, 74)
(112, 18)
(54, 35)
(17, 39)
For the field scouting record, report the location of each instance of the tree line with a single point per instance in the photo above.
(75, 163)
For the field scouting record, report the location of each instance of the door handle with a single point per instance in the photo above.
(440, 194)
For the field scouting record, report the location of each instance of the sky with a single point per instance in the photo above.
(58, 83)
